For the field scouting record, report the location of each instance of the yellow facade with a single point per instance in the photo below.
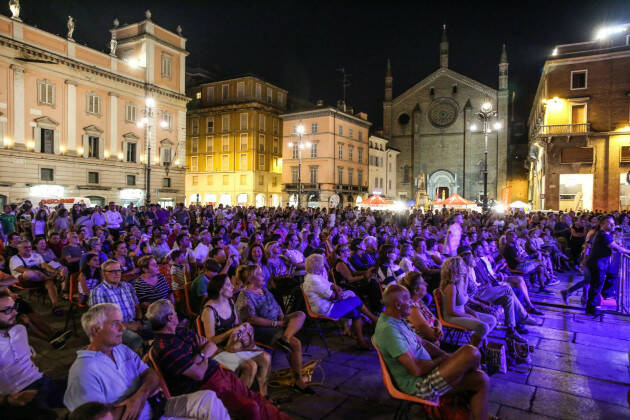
(234, 143)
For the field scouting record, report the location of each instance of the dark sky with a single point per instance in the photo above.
(299, 45)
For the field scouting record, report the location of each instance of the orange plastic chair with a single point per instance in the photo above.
(189, 310)
(165, 270)
(402, 412)
(200, 330)
(316, 317)
(455, 332)
(157, 370)
(74, 302)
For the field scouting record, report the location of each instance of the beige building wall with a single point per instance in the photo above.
(56, 94)
(340, 141)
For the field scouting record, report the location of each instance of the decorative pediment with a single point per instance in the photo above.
(166, 143)
(93, 130)
(130, 136)
(454, 76)
(46, 121)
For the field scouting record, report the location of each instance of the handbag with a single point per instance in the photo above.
(286, 377)
(496, 360)
(518, 352)
(241, 339)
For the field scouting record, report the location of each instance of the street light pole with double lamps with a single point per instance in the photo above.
(486, 115)
(146, 122)
(299, 130)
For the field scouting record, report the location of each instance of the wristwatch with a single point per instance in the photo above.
(203, 355)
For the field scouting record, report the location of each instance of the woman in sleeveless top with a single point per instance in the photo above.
(360, 282)
(219, 321)
(454, 298)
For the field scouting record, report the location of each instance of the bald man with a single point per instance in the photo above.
(418, 367)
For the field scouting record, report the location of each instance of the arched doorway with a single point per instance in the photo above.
(441, 185)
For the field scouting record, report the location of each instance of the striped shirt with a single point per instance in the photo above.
(122, 295)
(148, 293)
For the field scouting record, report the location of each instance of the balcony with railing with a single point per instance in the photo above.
(564, 129)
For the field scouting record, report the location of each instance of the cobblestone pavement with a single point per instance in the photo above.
(579, 370)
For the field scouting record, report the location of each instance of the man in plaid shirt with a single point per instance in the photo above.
(112, 290)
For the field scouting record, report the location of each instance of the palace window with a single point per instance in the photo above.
(578, 79)
(47, 174)
(93, 177)
(45, 93)
(130, 112)
(167, 66)
(93, 104)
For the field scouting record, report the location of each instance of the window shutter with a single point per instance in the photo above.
(86, 146)
(38, 139)
(56, 142)
(101, 147)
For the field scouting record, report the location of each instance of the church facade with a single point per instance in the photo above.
(433, 125)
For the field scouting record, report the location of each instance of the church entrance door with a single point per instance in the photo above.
(441, 193)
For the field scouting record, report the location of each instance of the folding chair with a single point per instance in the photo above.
(455, 332)
(199, 325)
(74, 301)
(189, 312)
(157, 370)
(165, 270)
(316, 318)
(402, 412)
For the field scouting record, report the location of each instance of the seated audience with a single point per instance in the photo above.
(110, 373)
(222, 326)
(328, 299)
(256, 305)
(454, 298)
(185, 359)
(420, 368)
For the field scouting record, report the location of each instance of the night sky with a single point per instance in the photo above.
(299, 45)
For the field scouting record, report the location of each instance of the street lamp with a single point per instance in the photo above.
(146, 122)
(299, 130)
(486, 115)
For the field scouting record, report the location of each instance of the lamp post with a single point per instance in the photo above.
(299, 130)
(149, 112)
(486, 115)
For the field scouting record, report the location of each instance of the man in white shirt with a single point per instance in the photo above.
(113, 220)
(203, 248)
(25, 392)
(107, 371)
(29, 268)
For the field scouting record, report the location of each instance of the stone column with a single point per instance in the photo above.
(71, 116)
(113, 125)
(19, 128)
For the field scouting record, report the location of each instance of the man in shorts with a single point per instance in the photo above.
(419, 368)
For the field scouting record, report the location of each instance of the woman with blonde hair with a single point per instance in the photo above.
(328, 299)
(453, 285)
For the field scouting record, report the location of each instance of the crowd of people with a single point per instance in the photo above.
(190, 300)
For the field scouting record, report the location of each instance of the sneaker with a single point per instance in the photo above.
(535, 311)
(530, 320)
(553, 282)
(521, 329)
(565, 296)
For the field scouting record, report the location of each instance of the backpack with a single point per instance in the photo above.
(518, 352)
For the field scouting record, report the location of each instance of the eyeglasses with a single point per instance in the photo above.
(114, 271)
(7, 311)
